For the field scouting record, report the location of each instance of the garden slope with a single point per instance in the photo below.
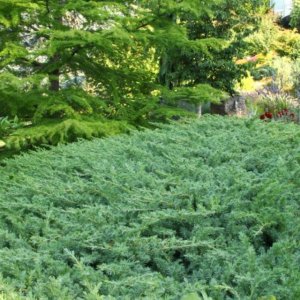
(210, 207)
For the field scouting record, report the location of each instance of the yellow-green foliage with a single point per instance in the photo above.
(71, 103)
(7, 292)
(199, 94)
(247, 83)
(264, 40)
(272, 37)
(276, 60)
(288, 43)
(61, 132)
(168, 113)
(295, 20)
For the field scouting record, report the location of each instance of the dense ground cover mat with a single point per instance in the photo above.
(207, 209)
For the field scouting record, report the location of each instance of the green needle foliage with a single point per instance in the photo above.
(111, 60)
(208, 209)
(61, 68)
(216, 37)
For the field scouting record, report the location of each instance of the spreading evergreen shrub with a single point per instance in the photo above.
(208, 209)
(70, 130)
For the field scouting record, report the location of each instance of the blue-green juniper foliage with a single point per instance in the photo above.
(209, 207)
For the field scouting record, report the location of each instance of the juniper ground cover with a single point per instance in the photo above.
(208, 207)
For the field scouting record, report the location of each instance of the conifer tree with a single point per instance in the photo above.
(45, 43)
(217, 32)
(47, 48)
(79, 59)
(54, 40)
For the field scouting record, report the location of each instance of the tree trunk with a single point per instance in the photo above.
(54, 75)
(54, 80)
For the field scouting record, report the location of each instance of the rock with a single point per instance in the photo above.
(2, 144)
(195, 108)
(235, 105)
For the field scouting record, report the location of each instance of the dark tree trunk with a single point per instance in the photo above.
(54, 80)
(166, 68)
(54, 74)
